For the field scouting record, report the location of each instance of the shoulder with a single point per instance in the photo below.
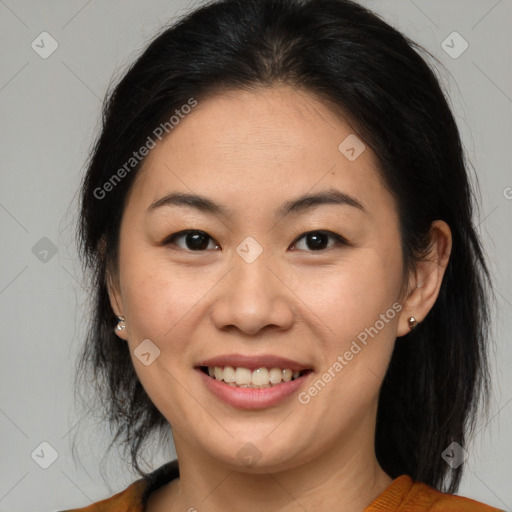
(129, 500)
(135, 496)
(437, 501)
(405, 495)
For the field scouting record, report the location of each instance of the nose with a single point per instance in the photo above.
(253, 297)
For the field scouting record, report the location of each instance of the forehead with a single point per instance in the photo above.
(250, 149)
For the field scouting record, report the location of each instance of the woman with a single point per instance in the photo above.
(278, 221)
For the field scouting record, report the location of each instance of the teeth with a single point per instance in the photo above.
(242, 375)
(275, 375)
(259, 378)
(229, 374)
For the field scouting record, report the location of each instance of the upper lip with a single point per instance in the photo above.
(254, 362)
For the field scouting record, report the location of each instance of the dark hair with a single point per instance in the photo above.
(350, 58)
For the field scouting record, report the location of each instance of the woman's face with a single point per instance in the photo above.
(265, 279)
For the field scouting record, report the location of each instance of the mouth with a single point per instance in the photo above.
(257, 378)
(253, 381)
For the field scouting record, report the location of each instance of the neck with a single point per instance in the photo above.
(346, 478)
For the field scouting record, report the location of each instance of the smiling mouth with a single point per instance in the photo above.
(259, 378)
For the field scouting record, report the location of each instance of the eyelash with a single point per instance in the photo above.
(339, 240)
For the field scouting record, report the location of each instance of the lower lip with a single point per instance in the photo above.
(252, 398)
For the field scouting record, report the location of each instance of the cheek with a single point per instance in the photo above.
(161, 302)
(158, 299)
(351, 297)
(358, 309)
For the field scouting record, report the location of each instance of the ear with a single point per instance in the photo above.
(114, 294)
(428, 276)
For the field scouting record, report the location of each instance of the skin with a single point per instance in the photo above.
(239, 148)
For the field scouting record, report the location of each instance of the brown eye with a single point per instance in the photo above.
(319, 240)
(193, 240)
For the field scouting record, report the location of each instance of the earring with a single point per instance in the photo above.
(120, 324)
(412, 322)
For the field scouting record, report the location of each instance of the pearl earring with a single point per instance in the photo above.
(412, 322)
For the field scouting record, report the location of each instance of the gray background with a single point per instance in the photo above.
(50, 115)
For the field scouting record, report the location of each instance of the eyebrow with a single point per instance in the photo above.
(299, 205)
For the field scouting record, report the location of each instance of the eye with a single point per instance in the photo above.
(194, 240)
(319, 240)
